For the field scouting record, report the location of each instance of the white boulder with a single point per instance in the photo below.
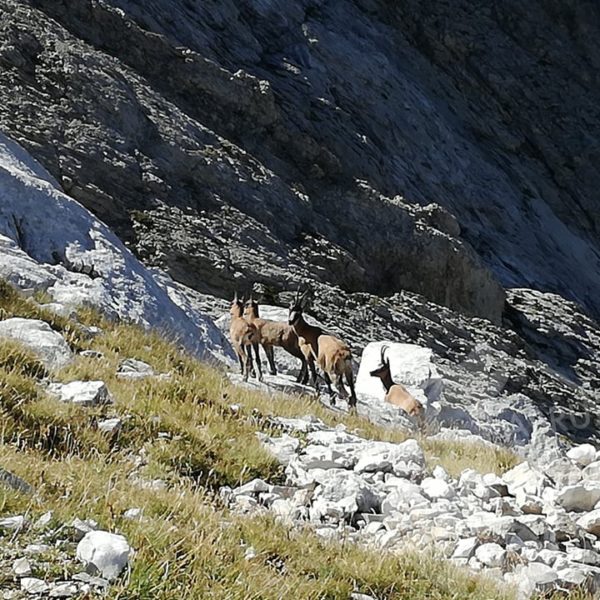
(465, 548)
(21, 567)
(107, 552)
(410, 365)
(33, 585)
(491, 555)
(532, 578)
(437, 488)
(591, 522)
(580, 497)
(84, 393)
(526, 478)
(48, 345)
(582, 455)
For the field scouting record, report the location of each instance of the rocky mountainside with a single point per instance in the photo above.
(219, 138)
(363, 146)
(426, 167)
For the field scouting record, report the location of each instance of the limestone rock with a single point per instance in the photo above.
(40, 338)
(580, 497)
(84, 393)
(107, 553)
(582, 455)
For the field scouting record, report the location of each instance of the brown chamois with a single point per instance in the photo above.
(244, 336)
(331, 354)
(396, 394)
(275, 333)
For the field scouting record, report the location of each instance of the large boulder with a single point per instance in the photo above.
(84, 393)
(580, 497)
(410, 365)
(49, 242)
(40, 338)
(106, 553)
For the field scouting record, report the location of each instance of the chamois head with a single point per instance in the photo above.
(297, 306)
(251, 308)
(384, 364)
(237, 306)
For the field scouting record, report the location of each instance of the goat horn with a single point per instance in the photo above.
(235, 297)
(384, 347)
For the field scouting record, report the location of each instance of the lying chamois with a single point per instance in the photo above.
(244, 337)
(396, 394)
(332, 354)
(275, 333)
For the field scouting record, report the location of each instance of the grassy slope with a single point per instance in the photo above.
(188, 546)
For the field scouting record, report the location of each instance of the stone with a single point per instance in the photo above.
(582, 455)
(284, 448)
(33, 585)
(440, 473)
(22, 567)
(590, 522)
(84, 393)
(490, 555)
(133, 514)
(465, 548)
(82, 527)
(572, 576)
(255, 486)
(13, 482)
(63, 589)
(110, 425)
(48, 345)
(579, 497)
(347, 493)
(43, 521)
(437, 488)
(95, 354)
(581, 555)
(403, 496)
(107, 553)
(529, 504)
(16, 523)
(592, 471)
(526, 478)
(36, 548)
(131, 368)
(534, 577)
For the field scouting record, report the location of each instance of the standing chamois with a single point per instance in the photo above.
(244, 337)
(396, 394)
(275, 333)
(332, 354)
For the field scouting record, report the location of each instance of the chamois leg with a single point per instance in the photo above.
(270, 354)
(350, 380)
(238, 352)
(329, 388)
(313, 374)
(244, 360)
(257, 360)
(340, 386)
(303, 375)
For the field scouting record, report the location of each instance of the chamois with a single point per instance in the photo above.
(275, 333)
(332, 354)
(244, 337)
(396, 394)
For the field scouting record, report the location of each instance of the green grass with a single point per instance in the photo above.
(188, 546)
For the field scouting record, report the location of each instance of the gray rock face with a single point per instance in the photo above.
(40, 338)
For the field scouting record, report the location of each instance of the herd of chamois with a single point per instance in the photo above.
(312, 346)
